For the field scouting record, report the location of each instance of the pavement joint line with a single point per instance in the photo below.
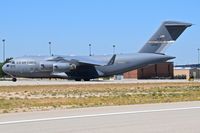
(96, 115)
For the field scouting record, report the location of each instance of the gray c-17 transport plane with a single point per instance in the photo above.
(91, 67)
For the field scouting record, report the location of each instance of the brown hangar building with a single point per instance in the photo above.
(157, 71)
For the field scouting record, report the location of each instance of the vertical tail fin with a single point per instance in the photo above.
(168, 32)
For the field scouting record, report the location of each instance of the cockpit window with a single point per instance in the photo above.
(11, 61)
(7, 65)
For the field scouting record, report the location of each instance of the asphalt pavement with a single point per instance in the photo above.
(183, 117)
(23, 81)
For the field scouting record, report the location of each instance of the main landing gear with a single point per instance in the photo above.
(81, 79)
(86, 79)
(77, 79)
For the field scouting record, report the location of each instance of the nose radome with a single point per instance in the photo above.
(4, 68)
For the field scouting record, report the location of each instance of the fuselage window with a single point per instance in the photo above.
(31, 62)
(18, 62)
(23, 62)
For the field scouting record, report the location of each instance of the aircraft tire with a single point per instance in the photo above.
(77, 79)
(14, 79)
(86, 79)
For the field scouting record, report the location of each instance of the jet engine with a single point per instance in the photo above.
(63, 67)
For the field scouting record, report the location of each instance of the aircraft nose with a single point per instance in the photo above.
(5, 68)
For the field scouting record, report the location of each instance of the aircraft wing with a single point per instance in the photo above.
(83, 60)
(56, 58)
(86, 61)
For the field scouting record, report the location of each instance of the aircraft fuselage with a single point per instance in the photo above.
(43, 67)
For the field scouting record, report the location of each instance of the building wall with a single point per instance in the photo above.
(161, 70)
(195, 73)
(131, 74)
(179, 72)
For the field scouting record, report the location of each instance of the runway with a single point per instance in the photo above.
(181, 117)
(21, 82)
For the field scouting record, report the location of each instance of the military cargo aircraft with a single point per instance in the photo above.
(91, 67)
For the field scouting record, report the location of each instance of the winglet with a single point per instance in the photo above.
(112, 60)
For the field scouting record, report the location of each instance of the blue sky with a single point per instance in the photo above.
(28, 26)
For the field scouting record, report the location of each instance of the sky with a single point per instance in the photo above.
(71, 25)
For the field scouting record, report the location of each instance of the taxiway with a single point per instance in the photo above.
(181, 117)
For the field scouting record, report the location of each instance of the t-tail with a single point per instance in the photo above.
(168, 32)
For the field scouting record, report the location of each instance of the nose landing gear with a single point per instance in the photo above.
(14, 79)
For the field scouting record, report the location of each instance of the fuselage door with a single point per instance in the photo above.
(46, 66)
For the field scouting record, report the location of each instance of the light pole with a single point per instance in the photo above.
(4, 50)
(50, 48)
(198, 64)
(198, 54)
(90, 50)
(113, 49)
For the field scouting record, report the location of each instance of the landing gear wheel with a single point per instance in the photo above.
(14, 79)
(77, 79)
(86, 79)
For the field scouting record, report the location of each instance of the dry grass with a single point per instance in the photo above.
(45, 97)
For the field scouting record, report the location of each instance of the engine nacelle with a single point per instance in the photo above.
(63, 67)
